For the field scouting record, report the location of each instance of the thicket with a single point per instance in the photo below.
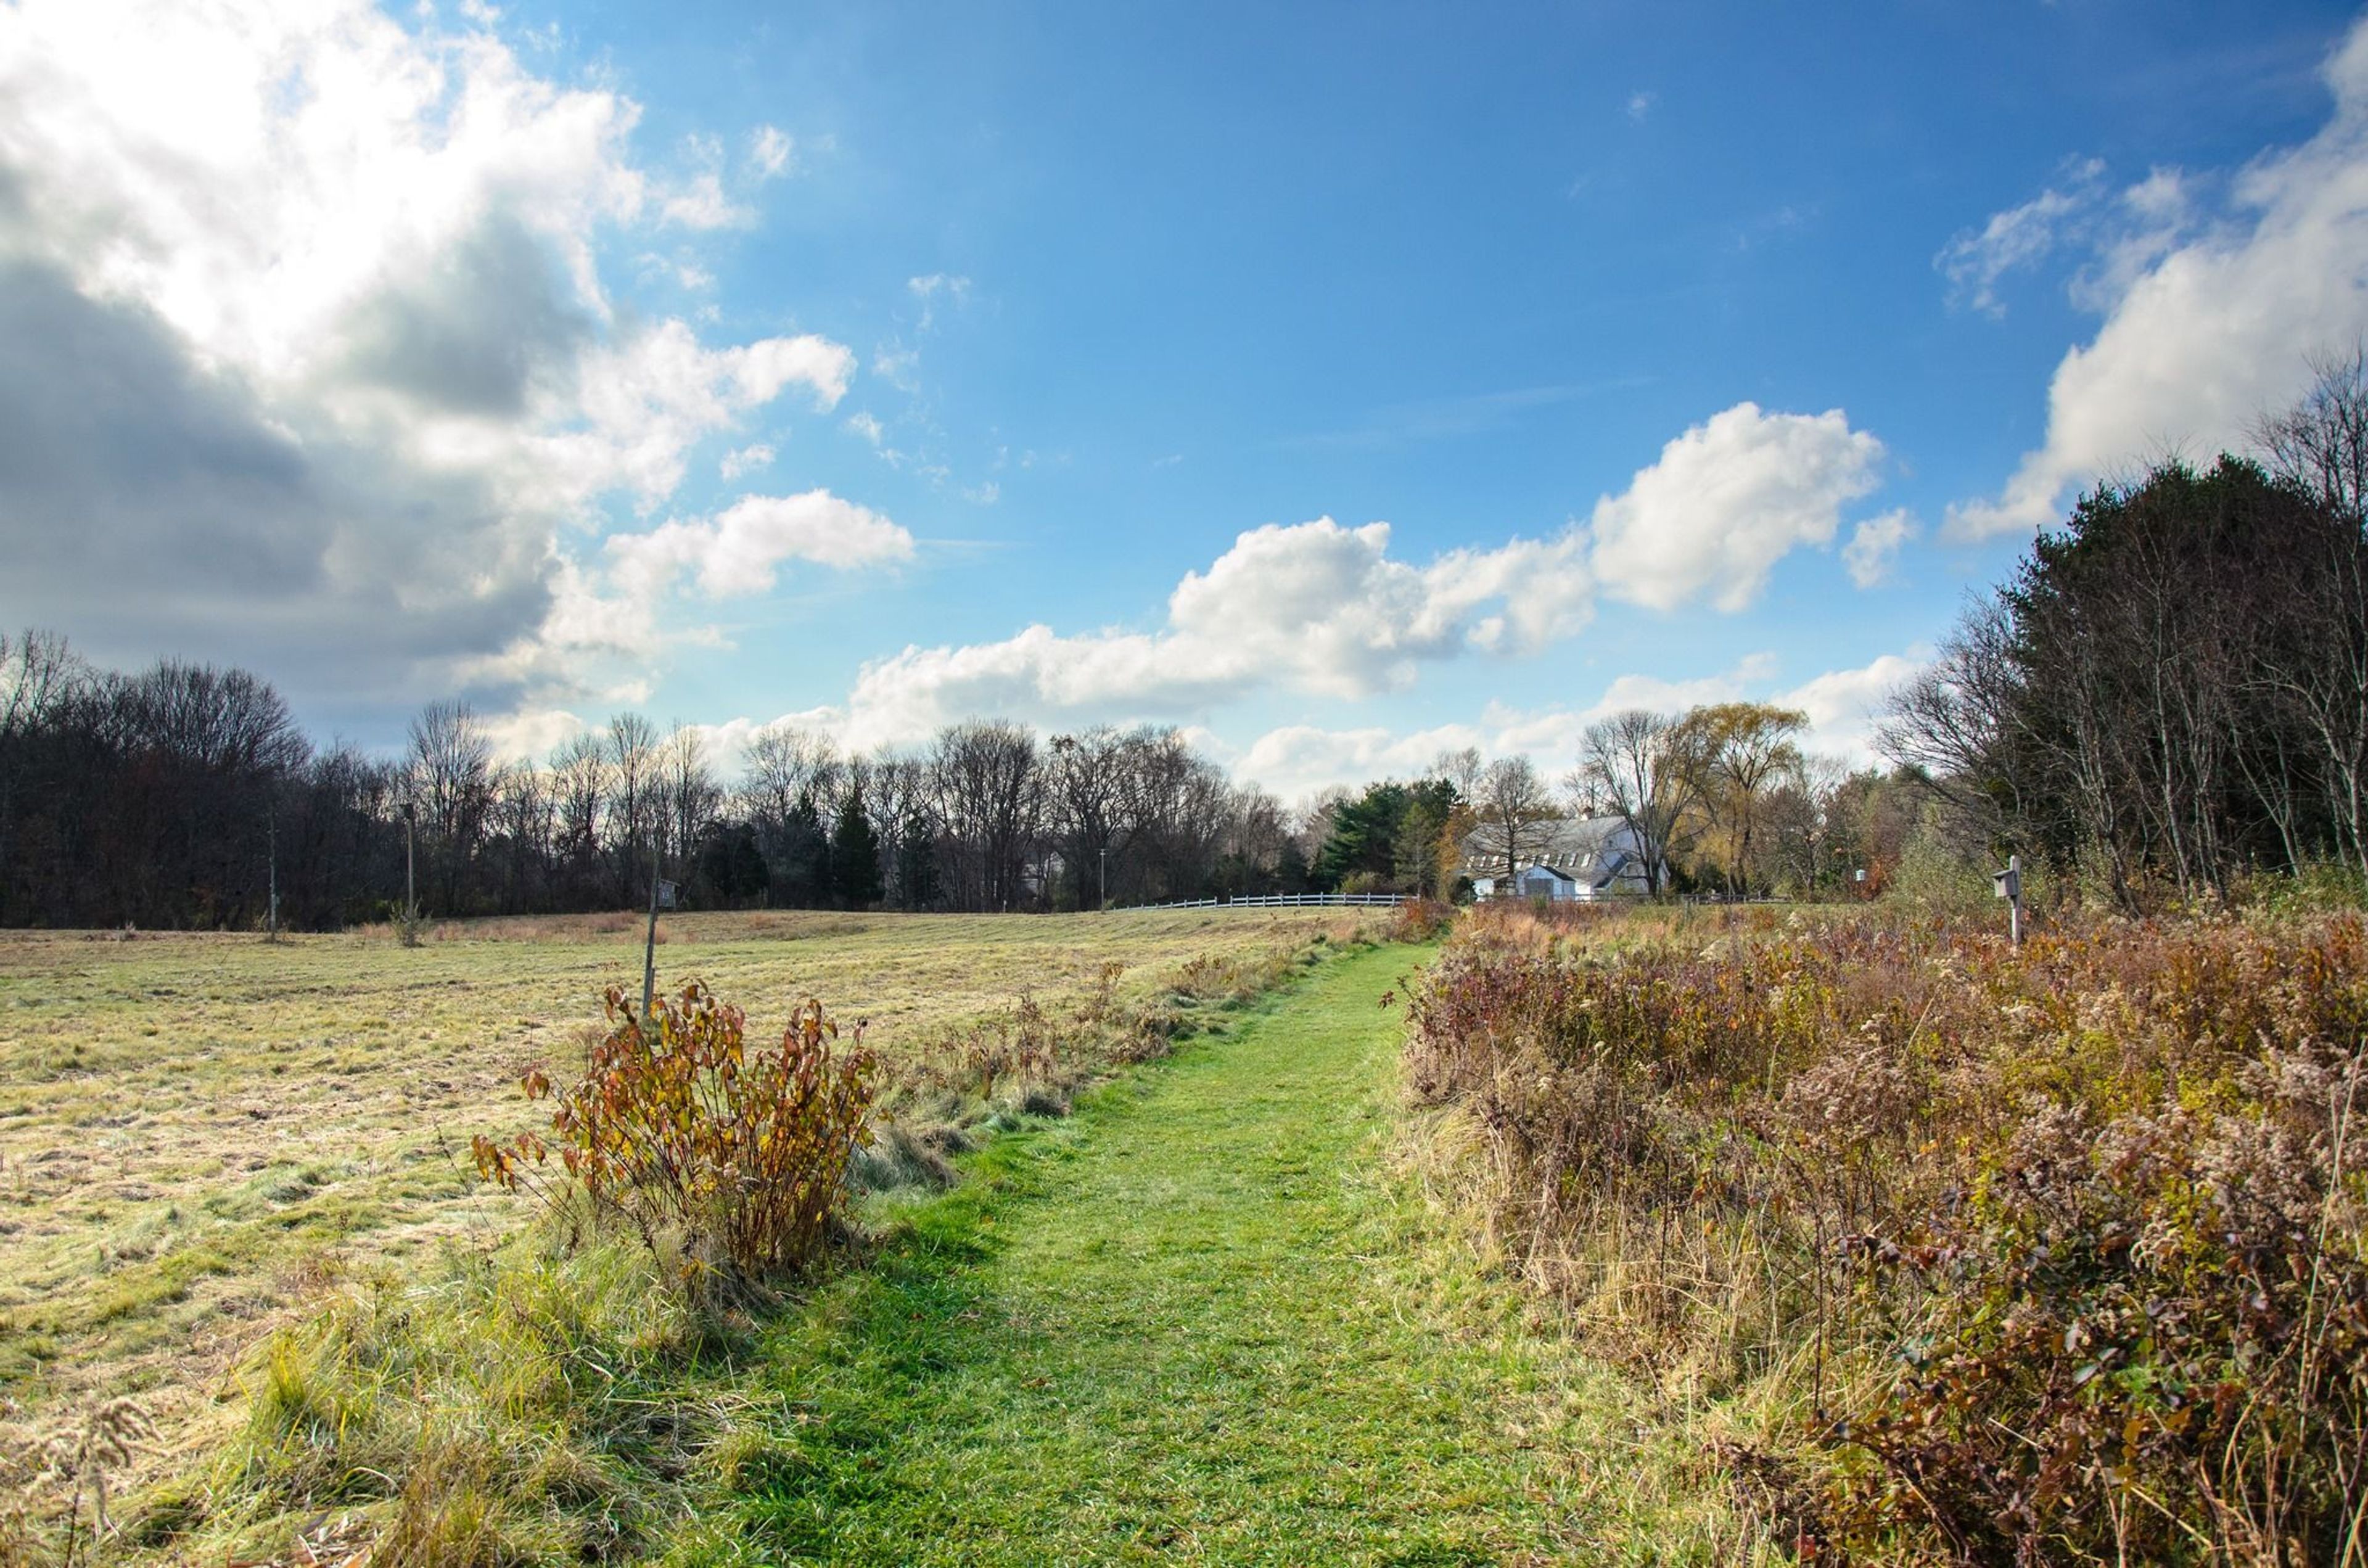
(2172, 689)
(2052, 1253)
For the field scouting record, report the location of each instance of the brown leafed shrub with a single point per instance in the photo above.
(729, 1158)
(2056, 1252)
(1420, 920)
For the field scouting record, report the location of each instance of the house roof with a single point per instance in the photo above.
(1591, 849)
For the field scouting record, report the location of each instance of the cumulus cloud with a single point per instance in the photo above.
(2210, 315)
(1296, 760)
(309, 357)
(746, 459)
(1842, 705)
(1315, 607)
(737, 552)
(1326, 609)
(1726, 502)
(1874, 545)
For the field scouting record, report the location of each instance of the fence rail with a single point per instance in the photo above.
(1272, 900)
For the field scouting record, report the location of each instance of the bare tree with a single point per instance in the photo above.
(690, 797)
(578, 788)
(1649, 770)
(632, 787)
(1087, 796)
(1515, 811)
(450, 771)
(2321, 447)
(989, 789)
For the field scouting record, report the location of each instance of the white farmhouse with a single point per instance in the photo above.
(1569, 858)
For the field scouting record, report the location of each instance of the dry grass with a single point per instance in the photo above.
(198, 1132)
(1944, 1249)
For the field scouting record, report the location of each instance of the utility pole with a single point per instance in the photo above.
(1105, 878)
(272, 837)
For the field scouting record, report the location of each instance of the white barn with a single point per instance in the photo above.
(1571, 859)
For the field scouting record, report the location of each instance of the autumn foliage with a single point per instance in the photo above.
(726, 1160)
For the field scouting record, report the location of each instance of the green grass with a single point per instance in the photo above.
(1200, 1322)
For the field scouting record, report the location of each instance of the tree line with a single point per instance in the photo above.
(187, 795)
(2172, 689)
(179, 797)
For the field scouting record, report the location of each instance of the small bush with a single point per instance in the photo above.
(729, 1160)
(1420, 920)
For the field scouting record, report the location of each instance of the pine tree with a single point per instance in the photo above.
(804, 864)
(855, 855)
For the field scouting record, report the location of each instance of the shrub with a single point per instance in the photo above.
(730, 1161)
(2045, 1254)
(1420, 920)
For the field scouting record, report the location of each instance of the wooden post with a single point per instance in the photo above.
(650, 948)
(2008, 885)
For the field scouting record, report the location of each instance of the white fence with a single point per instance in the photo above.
(1271, 899)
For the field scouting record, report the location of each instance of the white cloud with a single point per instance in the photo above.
(301, 314)
(899, 368)
(1326, 609)
(531, 734)
(863, 424)
(1726, 502)
(734, 554)
(1874, 545)
(1639, 104)
(746, 459)
(1976, 260)
(1842, 704)
(950, 287)
(1315, 607)
(641, 405)
(1295, 760)
(770, 150)
(701, 204)
(2204, 331)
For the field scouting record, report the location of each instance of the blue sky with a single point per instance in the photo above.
(874, 365)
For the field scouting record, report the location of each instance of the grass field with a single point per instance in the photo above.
(195, 1130)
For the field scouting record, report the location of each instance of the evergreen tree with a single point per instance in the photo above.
(801, 874)
(855, 855)
(917, 867)
(1291, 869)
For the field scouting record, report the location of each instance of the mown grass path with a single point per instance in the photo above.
(1182, 1326)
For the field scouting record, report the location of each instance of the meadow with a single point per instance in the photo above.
(198, 1131)
(1944, 1249)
